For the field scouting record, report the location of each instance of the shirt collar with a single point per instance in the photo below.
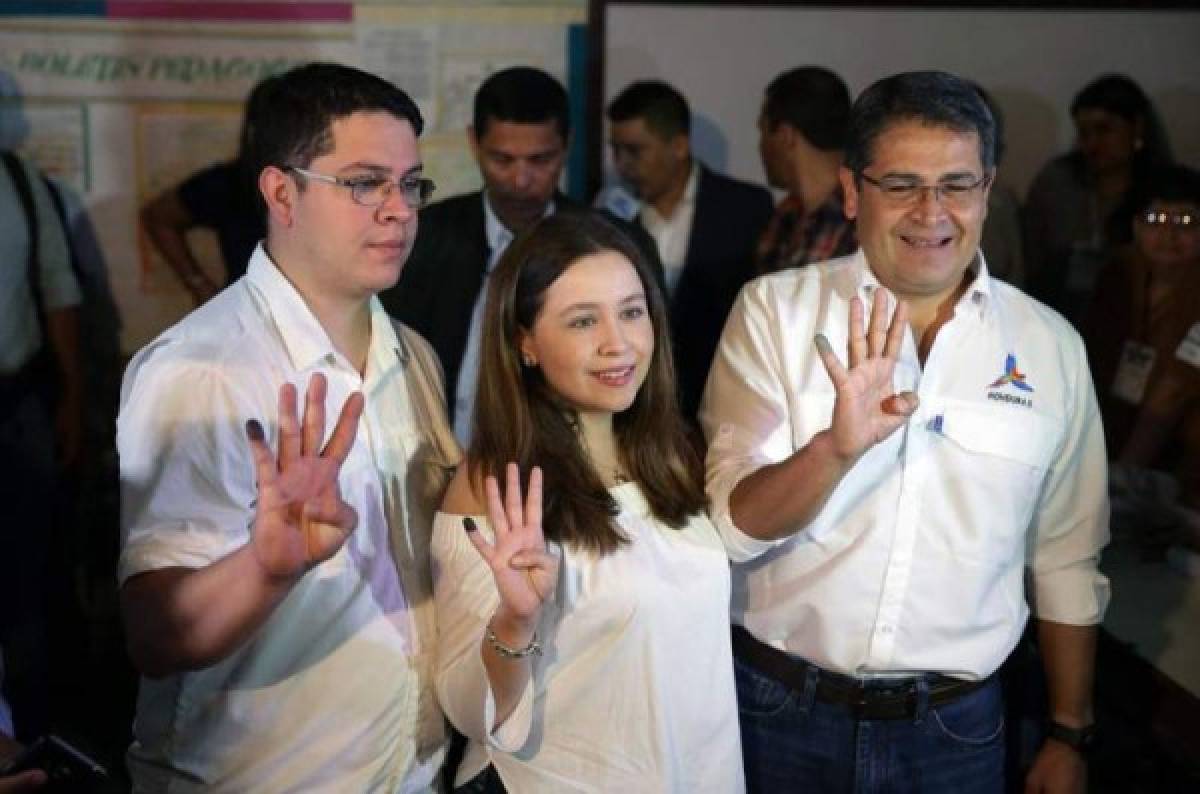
(304, 339)
(834, 203)
(693, 184)
(387, 348)
(498, 235)
(978, 293)
(687, 201)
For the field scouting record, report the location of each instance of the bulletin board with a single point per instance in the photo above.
(119, 100)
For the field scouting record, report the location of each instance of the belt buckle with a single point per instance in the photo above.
(890, 702)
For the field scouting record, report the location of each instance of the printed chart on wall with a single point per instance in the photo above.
(128, 102)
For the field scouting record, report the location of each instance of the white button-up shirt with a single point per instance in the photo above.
(671, 235)
(634, 691)
(334, 691)
(916, 561)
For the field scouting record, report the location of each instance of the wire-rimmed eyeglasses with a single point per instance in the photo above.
(373, 190)
(902, 191)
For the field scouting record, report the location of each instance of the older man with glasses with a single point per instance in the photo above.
(894, 439)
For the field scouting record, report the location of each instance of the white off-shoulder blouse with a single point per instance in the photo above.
(634, 691)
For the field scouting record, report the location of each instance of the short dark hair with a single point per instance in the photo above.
(814, 101)
(289, 117)
(661, 107)
(524, 95)
(1174, 183)
(937, 99)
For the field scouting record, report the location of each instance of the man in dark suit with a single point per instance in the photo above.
(519, 135)
(706, 225)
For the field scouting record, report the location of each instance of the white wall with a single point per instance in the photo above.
(1032, 62)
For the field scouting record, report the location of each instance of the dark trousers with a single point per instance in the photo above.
(27, 487)
(793, 742)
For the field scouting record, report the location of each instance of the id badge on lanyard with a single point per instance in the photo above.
(1133, 373)
(1189, 349)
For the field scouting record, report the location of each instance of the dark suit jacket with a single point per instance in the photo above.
(729, 217)
(445, 272)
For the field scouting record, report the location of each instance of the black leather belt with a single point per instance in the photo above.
(876, 701)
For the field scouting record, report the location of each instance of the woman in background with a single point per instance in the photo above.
(1077, 208)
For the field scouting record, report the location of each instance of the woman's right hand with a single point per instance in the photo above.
(526, 574)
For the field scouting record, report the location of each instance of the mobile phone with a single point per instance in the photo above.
(67, 768)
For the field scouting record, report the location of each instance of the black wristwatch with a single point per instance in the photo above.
(1078, 739)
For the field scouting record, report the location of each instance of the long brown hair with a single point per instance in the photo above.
(520, 418)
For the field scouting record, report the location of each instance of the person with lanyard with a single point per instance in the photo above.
(895, 437)
(581, 589)
(1143, 337)
(1076, 207)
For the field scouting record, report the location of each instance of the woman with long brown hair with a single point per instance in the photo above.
(584, 632)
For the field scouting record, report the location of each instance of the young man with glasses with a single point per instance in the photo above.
(894, 438)
(278, 604)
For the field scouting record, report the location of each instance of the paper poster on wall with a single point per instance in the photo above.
(440, 55)
(121, 109)
(448, 162)
(54, 135)
(407, 57)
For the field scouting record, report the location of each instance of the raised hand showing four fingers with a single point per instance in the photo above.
(526, 574)
(302, 519)
(867, 410)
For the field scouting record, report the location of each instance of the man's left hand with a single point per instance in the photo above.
(1058, 769)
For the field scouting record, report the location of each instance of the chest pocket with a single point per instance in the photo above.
(1006, 455)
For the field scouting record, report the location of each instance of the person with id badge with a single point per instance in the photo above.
(1076, 207)
(1144, 341)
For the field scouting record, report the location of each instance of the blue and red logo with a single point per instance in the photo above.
(1011, 375)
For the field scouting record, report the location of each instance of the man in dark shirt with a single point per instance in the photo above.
(802, 133)
(705, 224)
(222, 197)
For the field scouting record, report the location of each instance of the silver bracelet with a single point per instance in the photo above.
(534, 648)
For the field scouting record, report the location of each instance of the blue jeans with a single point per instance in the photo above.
(793, 742)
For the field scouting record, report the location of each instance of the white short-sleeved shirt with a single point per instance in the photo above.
(916, 561)
(635, 689)
(334, 692)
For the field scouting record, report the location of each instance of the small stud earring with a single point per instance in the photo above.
(528, 360)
